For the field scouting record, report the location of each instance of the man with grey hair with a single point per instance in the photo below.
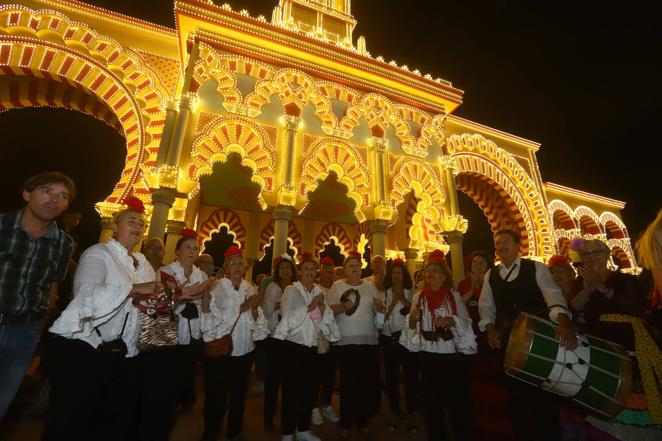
(154, 250)
(206, 264)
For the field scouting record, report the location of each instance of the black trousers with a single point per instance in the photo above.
(534, 413)
(273, 376)
(446, 384)
(226, 380)
(397, 359)
(162, 374)
(325, 377)
(298, 383)
(88, 399)
(359, 380)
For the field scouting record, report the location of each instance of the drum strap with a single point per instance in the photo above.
(505, 279)
(650, 362)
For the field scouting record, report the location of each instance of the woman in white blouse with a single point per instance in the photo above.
(395, 357)
(234, 308)
(356, 305)
(305, 316)
(159, 403)
(107, 277)
(283, 274)
(439, 330)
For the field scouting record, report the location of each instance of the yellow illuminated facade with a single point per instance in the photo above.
(286, 128)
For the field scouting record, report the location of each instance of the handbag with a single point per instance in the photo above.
(112, 352)
(157, 331)
(221, 347)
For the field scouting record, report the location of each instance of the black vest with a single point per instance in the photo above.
(515, 296)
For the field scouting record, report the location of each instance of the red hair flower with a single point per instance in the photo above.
(558, 260)
(234, 249)
(436, 256)
(399, 262)
(327, 261)
(134, 204)
(355, 254)
(187, 232)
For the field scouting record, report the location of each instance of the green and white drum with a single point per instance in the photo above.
(597, 374)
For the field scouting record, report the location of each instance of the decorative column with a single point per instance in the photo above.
(410, 257)
(288, 161)
(186, 103)
(282, 215)
(171, 116)
(106, 229)
(162, 200)
(378, 229)
(453, 226)
(173, 228)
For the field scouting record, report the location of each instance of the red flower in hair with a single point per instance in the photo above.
(355, 254)
(327, 261)
(436, 256)
(135, 204)
(558, 260)
(232, 251)
(399, 262)
(187, 232)
(306, 256)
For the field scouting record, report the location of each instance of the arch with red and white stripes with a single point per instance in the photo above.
(223, 217)
(293, 235)
(337, 233)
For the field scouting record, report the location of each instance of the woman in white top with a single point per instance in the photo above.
(234, 308)
(283, 274)
(439, 330)
(107, 277)
(395, 357)
(306, 316)
(356, 305)
(159, 403)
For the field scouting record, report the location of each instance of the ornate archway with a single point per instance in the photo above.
(337, 233)
(519, 199)
(223, 218)
(112, 83)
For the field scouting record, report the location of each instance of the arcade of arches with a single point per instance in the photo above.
(271, 132)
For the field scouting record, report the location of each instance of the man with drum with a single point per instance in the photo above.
(514, 286)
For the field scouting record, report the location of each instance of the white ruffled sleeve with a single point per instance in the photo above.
(411, 338)
(463, 333)
(294, 312)
(221, 316)
(259, 330)
(95, 300)
(328, 326)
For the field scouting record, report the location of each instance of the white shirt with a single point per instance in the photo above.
(396, 320)
(550, 292)
(224, 309)
(358, 328)
(104, 278)
(463, 341)
(297, 325)
(187, 328)
(271, 305)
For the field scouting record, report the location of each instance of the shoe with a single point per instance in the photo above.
(412, 425)
(316, 417)
(307, 436)
(330, 414)
(287, 438)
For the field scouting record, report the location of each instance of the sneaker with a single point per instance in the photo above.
(330, 414)
(307, 436)
(316, 417)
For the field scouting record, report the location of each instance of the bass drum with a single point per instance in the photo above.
(597, 374)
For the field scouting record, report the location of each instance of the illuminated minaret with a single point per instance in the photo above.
(331, 20)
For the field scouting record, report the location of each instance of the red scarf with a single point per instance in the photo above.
(437, 299)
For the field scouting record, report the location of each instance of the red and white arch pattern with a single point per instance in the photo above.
(223, 217)
(292, 233)
(337, 233)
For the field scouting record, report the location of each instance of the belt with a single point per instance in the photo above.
(13, 319)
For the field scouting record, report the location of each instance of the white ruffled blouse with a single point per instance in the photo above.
(463, 341)
(396, 320)
(104, 278)
(300, 326)
(187, 328)
(271, 305)
(224, 309)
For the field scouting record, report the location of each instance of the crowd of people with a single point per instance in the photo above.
(121, 356)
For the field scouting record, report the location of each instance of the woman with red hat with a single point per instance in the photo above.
(356, 305)
(234, 309)
(306, 317)
(439, 330)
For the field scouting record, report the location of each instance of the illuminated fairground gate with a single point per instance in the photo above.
(285, 129)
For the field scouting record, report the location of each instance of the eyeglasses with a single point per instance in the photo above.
(591, 253)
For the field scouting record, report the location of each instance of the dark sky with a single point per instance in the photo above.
(577, 77)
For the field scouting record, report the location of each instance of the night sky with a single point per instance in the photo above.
(577, 78)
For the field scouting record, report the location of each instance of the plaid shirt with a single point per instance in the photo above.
(29, 266)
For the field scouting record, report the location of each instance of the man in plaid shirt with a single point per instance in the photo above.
(34, 254)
